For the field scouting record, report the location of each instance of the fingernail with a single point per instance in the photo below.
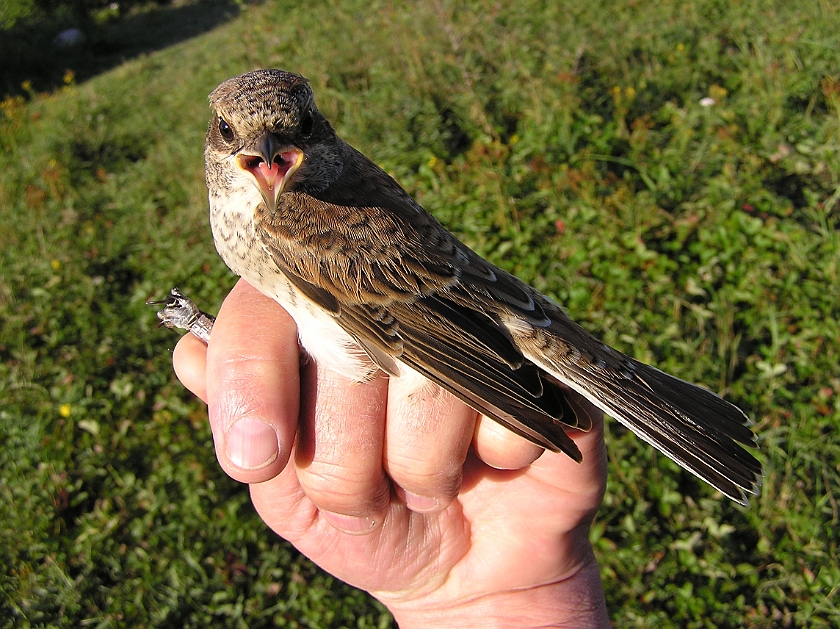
(419, 503)
(349, 523)
(252, 444)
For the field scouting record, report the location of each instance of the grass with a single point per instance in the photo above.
(566, 142)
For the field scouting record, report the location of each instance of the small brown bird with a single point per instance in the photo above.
(366, 272)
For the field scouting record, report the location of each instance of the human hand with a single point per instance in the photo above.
(447, 518)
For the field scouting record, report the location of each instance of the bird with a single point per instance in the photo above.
(375, 282)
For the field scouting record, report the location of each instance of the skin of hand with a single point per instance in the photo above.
(448, 519)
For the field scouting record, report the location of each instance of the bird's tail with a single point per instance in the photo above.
(693, 426)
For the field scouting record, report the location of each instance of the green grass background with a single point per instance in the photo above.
(563, 140)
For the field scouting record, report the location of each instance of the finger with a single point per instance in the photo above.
(500, 448)
(253, 385)
(428, 435)
(339, 448)
(587, 478)
(190, 363)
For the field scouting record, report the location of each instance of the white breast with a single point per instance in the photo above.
(322, 338)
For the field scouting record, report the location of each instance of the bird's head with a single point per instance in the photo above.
(267, 131)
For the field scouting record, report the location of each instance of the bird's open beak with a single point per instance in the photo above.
(271, 164)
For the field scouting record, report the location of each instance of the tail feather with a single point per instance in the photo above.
(733, 423)
(689, 424)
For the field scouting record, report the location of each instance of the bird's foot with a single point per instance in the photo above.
(180, 312)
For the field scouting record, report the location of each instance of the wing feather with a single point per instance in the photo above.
(455, 358)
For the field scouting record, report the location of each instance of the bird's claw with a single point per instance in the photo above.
(181, 312)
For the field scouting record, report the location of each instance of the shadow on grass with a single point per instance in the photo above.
(27, 52)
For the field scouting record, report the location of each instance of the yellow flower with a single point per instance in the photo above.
(680, 47)
(432, 161)
(64, 410)
(55, 264)
(629, 92)
(717, 92)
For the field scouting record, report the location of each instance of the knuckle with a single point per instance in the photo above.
(343, 490)
(426, 477)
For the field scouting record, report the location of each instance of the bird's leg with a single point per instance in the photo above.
(180, 312)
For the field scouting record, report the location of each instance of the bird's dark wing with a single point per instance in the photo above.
(476, 361)
(463, 351)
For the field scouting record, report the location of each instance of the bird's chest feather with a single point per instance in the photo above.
(236, 241)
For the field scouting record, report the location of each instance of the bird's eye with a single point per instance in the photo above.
(225, 131)
(307, 123)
